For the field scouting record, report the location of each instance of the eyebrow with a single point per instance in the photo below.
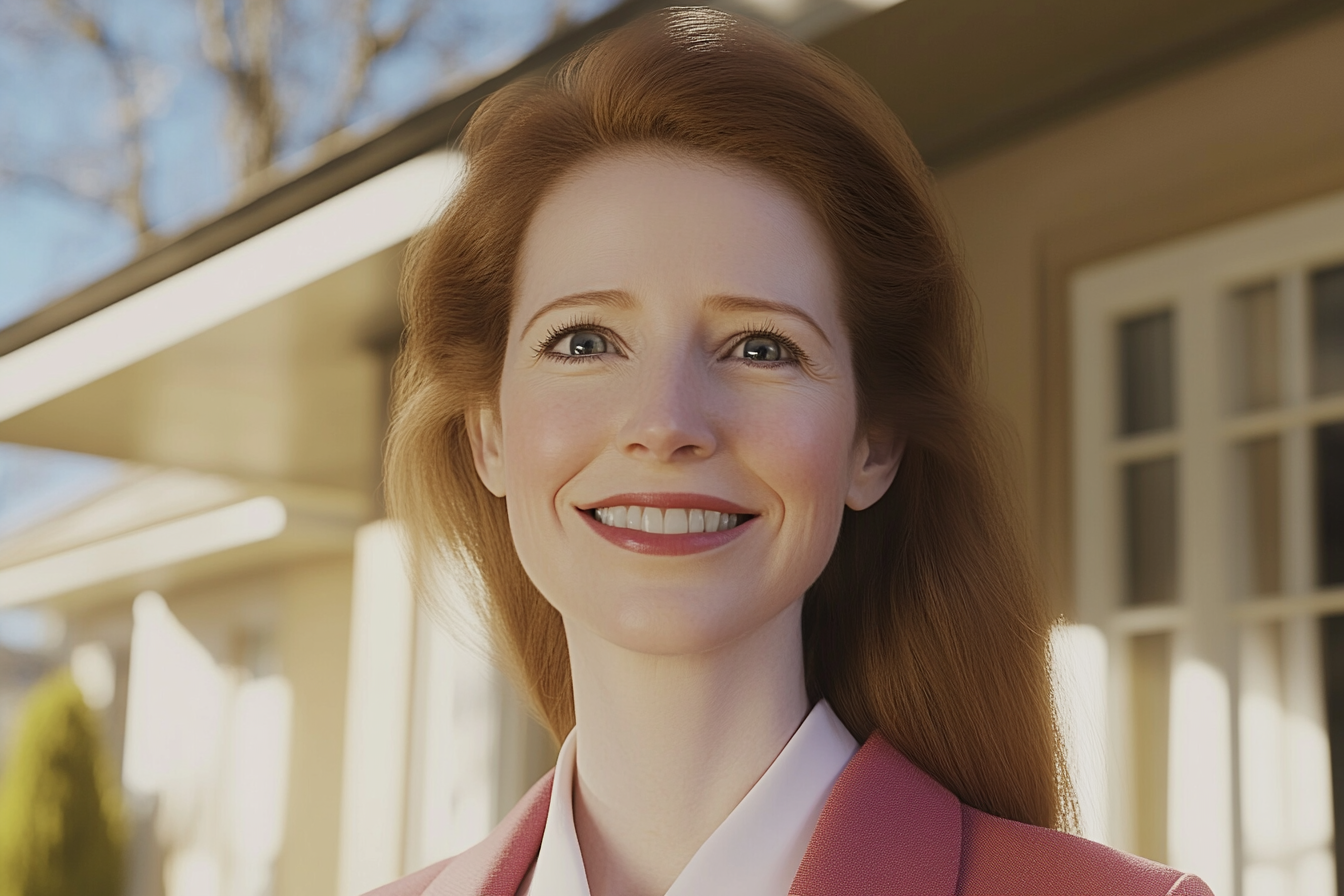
(609, 298)
(752, 303)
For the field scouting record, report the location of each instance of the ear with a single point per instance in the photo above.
(876, 458)
(487, 448)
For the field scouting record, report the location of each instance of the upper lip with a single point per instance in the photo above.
(665, 500)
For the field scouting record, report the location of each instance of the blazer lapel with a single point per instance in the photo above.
(496, 866)
(887, 828)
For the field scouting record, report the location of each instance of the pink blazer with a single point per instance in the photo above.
(887, 829)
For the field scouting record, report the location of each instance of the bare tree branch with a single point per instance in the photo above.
(242, 42)
(244, 60)
(128, 199)
(370, 45)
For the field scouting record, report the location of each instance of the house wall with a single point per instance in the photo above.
(314, 647)
(1235, 138)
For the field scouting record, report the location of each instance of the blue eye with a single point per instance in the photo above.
(582, 342)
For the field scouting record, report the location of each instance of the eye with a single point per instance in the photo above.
(581, 342)
(764, 348)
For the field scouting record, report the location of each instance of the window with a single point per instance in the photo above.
(1209, 509)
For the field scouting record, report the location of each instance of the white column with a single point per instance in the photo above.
(382, 632)
(455, 747)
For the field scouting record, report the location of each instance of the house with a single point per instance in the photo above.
(1150, 201)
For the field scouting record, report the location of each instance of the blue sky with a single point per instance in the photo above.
(58, 115)
(58, 110)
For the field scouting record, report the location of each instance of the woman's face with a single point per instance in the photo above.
(675, 347)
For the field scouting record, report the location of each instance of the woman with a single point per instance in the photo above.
(688, 384)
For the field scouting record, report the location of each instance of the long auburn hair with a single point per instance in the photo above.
(928, 624)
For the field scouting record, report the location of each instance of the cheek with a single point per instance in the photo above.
(800, 444)
(548, 435)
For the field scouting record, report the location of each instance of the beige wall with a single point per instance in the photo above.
(1235, 138)
(314, 636)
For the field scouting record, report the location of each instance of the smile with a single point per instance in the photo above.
(667, 524)
(667, 521)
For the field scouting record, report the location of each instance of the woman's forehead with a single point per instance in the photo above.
(653, 222)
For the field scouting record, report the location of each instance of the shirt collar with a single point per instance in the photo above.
(757, 849)
(559, 868)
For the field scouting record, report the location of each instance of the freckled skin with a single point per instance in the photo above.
(673, 410)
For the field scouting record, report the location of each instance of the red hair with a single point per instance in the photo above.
(928, 624)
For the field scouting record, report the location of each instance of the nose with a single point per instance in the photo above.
(670, 416)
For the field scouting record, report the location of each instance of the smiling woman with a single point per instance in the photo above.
(663, 402)
(689, 383)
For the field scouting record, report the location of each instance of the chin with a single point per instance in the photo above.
(675, 625)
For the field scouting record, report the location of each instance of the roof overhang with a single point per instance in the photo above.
(968, 76)
(370, 217)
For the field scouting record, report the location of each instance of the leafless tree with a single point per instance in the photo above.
(123, 194)
(243, 42)
(239, 44)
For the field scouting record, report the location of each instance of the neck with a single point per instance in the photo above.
(667, 746)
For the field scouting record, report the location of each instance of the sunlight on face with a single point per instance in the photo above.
(676, 347)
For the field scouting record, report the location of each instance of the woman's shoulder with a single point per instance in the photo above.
(493, 867)
(1004, 857)
(891, 828)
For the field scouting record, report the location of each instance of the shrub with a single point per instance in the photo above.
(61, 827)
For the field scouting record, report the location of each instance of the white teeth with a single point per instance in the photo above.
(653, 520)
(675, 521)
(672, 521)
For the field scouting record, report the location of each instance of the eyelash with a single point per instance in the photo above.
(578, 325)
(770, 332)
(556, 333)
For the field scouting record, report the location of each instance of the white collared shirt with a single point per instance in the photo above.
(757, 849)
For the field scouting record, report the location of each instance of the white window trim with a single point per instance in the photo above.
(1192, 276)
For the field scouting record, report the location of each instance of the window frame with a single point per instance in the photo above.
(1195, 277)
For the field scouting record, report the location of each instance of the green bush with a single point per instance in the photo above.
(61, 827)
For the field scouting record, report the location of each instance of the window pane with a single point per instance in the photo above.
(1330, 503)
(1255, 347)
(1146, 374)
(1150, 706)
(1287, 818)
(1262, 550)
(1150, 530)
(1327, 330)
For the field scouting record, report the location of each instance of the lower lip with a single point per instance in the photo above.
(664, 545)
